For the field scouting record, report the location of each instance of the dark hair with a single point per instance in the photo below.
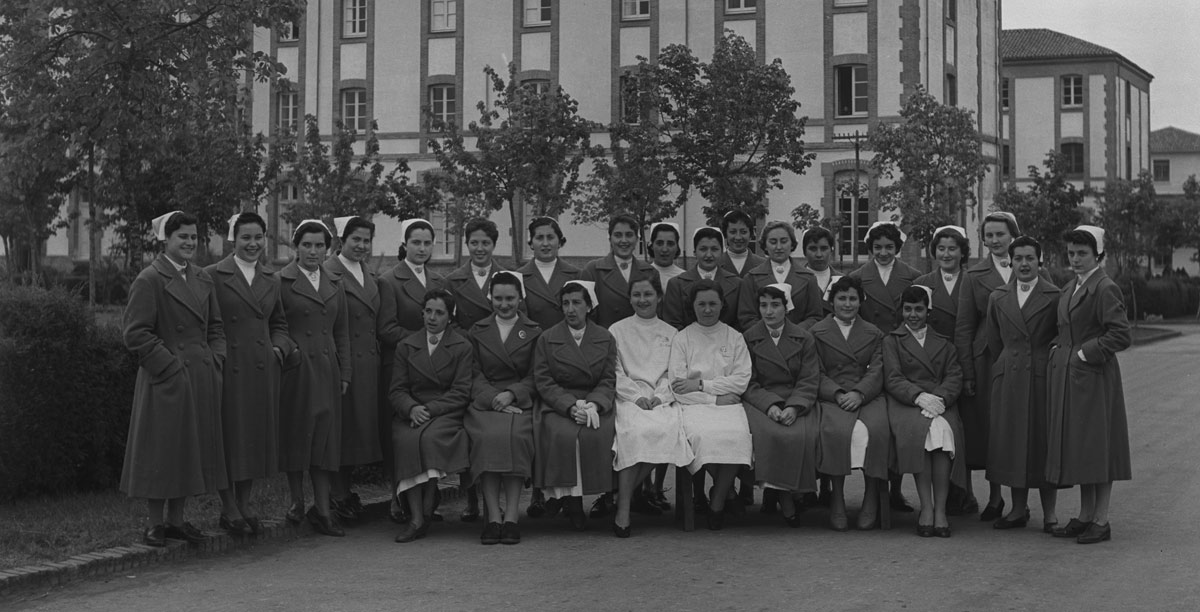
(1078, 236)
(1000, 217)
(446, 297)
(813, 234)
(914, 294)
(568, 288)
(964, 246)
(654, 281)
(736, 216)
(311, 227)
(772, 292)
(402, 252)
(246, 218)
(704, 285)
(546, 221)
(504, 277)
(627, 220)
(176, 221)
(487, 226)
(707, 232)
(887, 230)
(659, 227)
(357, 223)
(846, 283)
(774, 225)
(1028, 241)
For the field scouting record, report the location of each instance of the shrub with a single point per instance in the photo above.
(1167, 297)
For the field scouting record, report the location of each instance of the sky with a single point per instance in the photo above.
(1161, 36)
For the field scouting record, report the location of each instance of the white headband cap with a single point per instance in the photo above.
(590, 287)
(1097, 233)
(300, 226)
(492, 279)
(928, 291)
(955, 228)
(903, 236)
(405, 224)
(1003, 214)
(674, 226)
(707, 228)
(340, 223)
(160, 224)
(233, 226)
(787, 291)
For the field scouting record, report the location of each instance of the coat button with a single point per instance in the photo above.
(206, 361)
(178, 328)
(233, 318)
(236, 369)
(324, 351)
(187, 363)
(309, 332)
(261, 365)
(233, 345)
(260, 343)
(260, 316)
(324, 311)
(306, 312)
(181, 346)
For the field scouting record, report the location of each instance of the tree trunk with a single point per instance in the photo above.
(516, 209)
(93, 241)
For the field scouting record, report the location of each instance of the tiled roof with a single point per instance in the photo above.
(1041, 44)
(1174, 140)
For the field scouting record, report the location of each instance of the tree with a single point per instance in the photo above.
(33, 179)
(1127, 212)
(1177, 225)
(731, 124)
(935, 156)
(529, 146)
(1049, 207)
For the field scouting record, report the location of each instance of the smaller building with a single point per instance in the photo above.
(1175, 156)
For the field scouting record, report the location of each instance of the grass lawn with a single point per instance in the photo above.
(54, 528)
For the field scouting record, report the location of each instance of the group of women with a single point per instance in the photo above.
(582, 381)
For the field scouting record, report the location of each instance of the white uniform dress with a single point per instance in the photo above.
(718, 356)
(643, 359)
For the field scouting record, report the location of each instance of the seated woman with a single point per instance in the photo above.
(923, 380)
(575, 377)
(431, 387)
(649, 427)
(854, 421)
(781, 401)
(500, 422)
(710, 368)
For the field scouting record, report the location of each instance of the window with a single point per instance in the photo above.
(289, 32)
(1128, 98)
(289, 110)
(635, 9)
(1004, 94)
(443, 103)
(951, 90)
(537, 12)
(1128, 163)
(1006, 161)
(855, 218)
(537, 87)
(631, 100)
(951, 10)
(356, 18)
(443, 15)
(288, 193)
(354, 109)
(1162, 170)
(851, 88)
(1072, 91)
(1072, 153)
(741, 6)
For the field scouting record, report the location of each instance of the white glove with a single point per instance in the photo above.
(931, 403)
(593, 416)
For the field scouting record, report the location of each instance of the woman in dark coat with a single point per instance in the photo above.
(315, 376)
(615, 272)
(431, 388)
(780, 401)
(923, 380)
(1022, 321)
(817, 244)
(360, 403)
(500, 420)
(574, 371)
(854, 421)
(706, 246)
(779, 242)
(1089, 437)
(173, 325)
(257, 332)
(544, 275)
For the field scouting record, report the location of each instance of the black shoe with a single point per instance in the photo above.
(574, 510)
(537, 505)
(735, 505)
(1094, 534)
(186, 532)
(716, 520)
(700, 502)
(470, 515)
(661, 501)
(792, 521)
(809, 500)
(746, 495)
(554, 506)
(1017, 523)
(925, 531)
(324, 525)
(295, 514)
(234, 527)
(992, 513)
(155, 536)
(898, 504)
(602, 507)
(1048, 528)
(342, 510)
(1074, 529)
(970, 506)
(355, 504)
(641, 505)
(622, 532)
(491, 534)
(955, 498)
(770, 502)
(510, 533)
(398, 512)
(435, 517)
(256, 526)
(942, 532)
(411, 533)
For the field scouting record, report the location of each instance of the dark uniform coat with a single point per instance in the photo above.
(174, 328)
(851, 364)
(911, 369)
(472, 303)
(678, 313)
(970, 340)
(752, 262)
(806, 296)
(784, 375)
(943, 311)
(562, 373)
(1020, 338)
(611, 289)
(1089, 437)
(310, 413)
(360, 404)
(541, 298)
(440, 381)
(255, 325)
(881, 307)
(502, 442)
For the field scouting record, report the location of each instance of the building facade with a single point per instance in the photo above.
(1174, 158)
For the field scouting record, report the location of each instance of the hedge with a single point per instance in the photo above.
(66, 387)
(1167, 296)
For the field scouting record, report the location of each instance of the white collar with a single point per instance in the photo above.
(996, 261)
(620, 261)
(738, 257)
(353, 266)
(416, 268)
(545, 265)
(1031, 284)
(844, 324)
(883, 267)
(243, 264)
(179, 268)
(1083, 278)
(919, 334)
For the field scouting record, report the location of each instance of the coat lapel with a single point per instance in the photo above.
(180, 290)
(914, 348)
(828, 333)
(409, 282)
(365, 293)
(759, 339)
(1007, 304)
(236, 281)
(1089, 285)
(611, 276)
(463, 279)
(1039, 299)
(873, 283)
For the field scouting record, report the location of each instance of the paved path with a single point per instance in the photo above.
(1152, 564)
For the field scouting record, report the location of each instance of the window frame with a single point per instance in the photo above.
(1005, 94)
(294, 106)
(346, 105)
(448, 14)
(741, 7)
(543, 9)
(1070, 90)
(951, 9)
(854, 70)
(629, 115)
(450, 116)
(1074, 165)
(854, 222)
(354, 16)
(1165, 166)
(637, 14)
(950, 89)
(289, 32)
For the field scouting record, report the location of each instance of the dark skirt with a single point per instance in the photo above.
(440, 444)
(785, 456)
(837, 426)
(500, 442)
(310, 413)
(975, 415)
(556, 438)
(909, 430)
(360, 410)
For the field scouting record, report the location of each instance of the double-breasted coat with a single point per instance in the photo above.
(1088, 432)
(943, 310)
(564, 372)
(612, 291)
(541, 298)
(970, 340)
(784, 375)
(255, 325)
(806, 297)
(1020, 337)
(911, 369)
(173, 325)
(360, 404)
(853, 363)
(440, 381)
(502, 442)
(472, 303)
(881, 306)
(310, 411)
(752, 262)
(678, 313)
